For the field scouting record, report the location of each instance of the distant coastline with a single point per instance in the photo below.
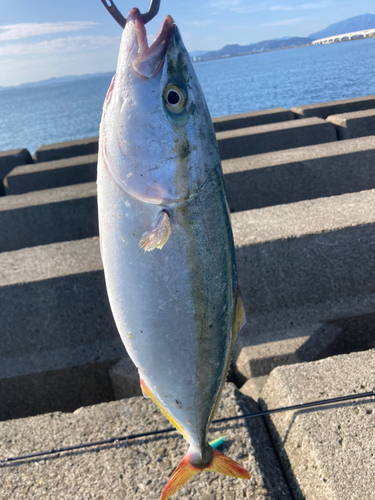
(335, 31)
(242, 54)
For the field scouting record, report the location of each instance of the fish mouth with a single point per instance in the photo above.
(149, 59)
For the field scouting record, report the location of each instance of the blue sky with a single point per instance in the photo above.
(40, 39)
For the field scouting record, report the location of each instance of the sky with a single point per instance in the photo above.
(40, 39)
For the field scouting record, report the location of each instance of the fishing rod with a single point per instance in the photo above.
(125, 439)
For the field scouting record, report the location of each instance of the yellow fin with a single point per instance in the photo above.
(238, 323)
(148, 394)
(157, 237)
(186, 470)
(239, 317)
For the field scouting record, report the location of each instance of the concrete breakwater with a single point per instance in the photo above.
(301, 187)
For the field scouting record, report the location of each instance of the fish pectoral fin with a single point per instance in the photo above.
(158, 236)
(186, 470)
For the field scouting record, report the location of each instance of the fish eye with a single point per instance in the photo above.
(174, 98)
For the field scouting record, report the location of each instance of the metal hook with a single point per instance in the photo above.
(116, 14)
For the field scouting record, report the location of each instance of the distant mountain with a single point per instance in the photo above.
(358, 23)
(56, 81)
(197, 53)
(237, 50)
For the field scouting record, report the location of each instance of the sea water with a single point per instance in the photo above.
(33, 116)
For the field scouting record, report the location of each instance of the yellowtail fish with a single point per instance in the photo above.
(166, 239)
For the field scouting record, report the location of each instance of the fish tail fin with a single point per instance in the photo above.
(181, 475)
(186, 470)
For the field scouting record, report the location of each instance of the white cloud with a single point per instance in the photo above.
(198, 24)
(306, 6)
(286, 22)
(25, 30)
(224, 4)
(70, 44)
(36, 68)
(282, 8)
(319, 5)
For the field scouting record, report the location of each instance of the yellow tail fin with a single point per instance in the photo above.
(186, 470)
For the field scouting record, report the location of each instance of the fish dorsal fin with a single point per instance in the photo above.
(239, 317)
(238, 323)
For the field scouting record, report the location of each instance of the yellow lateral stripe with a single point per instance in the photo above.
(172, 421)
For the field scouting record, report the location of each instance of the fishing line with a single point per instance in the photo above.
(117, 441)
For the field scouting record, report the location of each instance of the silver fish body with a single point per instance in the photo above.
(165, 233)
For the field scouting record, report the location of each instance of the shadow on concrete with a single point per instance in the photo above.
(57, 319)
(302, 180)
(262, 447)
(58, 390)
(52, 178)
(48, 223)
(279, 441)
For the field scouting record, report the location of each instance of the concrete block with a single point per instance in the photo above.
(302, 267)
(125, 379)
(52, 174)
(300, 174)
(274, 137)
(140, 469)
(11, 159)
(59, 150)
(355, 124)
(252, 119)
(49, 216)
(327, 452)
(324, 109)
(253, 387)
(70, 213)
(58, 337)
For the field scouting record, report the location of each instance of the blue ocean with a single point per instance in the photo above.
(33, 116)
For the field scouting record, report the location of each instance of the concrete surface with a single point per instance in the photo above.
(324, 109)
(68, 149)
(274, 137)
(58, 337)
(70, 213)
(125, 379)
(327, 453)
(49, 216)
(302, 266)
(9, 160)
(252, 119)
(52, 174)
(300, 174)
(355, 124)
(253, 387)
(139, 470)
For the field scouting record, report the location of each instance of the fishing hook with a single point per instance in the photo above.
(116, 14)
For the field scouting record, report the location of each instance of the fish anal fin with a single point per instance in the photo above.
(158, 236)
(186, 470)
(148, 394)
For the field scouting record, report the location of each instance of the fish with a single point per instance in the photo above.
(166, 239)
